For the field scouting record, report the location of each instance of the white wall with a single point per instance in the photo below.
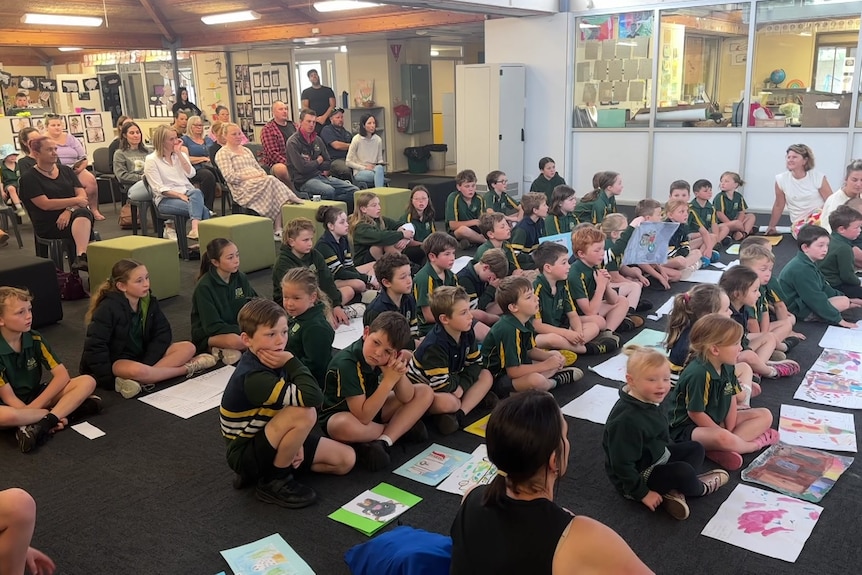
(693, 156)
(541, 44)
(623, 152)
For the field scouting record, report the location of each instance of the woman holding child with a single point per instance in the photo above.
(801, 189)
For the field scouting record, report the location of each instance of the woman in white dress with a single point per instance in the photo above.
(250, 186)
(365, 154)
(801, 189)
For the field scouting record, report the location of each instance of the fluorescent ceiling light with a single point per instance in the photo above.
(435, 53)
(229, 17)
(343, 49)
(805, 33)
(61, 20)
(339, 5)
(68, 49)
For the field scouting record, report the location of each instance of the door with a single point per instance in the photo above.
(511, 136)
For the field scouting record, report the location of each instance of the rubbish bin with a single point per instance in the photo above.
(417, 159)
(437, 160)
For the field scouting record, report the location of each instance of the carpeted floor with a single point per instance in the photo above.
(154, 495)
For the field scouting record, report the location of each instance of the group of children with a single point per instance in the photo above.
(515, 318)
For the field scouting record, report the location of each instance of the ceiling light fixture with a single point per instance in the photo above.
(68, 49)
(230, 17)
(339, 5)
(343, 49)
(435, 53)
(61, 20)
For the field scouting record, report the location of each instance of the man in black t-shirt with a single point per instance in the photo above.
(319, 98)
(337, 139)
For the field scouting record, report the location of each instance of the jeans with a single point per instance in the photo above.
(370, 177)
(194, 208)
(330, 188)
(138, 192)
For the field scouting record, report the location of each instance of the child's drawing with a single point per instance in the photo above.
(375, 507)
(477, 471)
(817, 428)
(838, 362)
(800, 472)
(829, 389)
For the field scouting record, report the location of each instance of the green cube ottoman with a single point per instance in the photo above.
(308, 210)
(251, 234)
(160, 257)
(393, 201)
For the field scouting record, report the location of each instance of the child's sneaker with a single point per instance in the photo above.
(784, 368)
(447, 423)
(373, 455)
(602, 345)
(715, 257)
(730, 460)
(227, 356)
(570, 357)
(29, 436)
(489, 402)
(791, 342)
(128, 388)
(89, 407)
(567, 375)
(369, 295)
(643, 305)
(355, 310)
(767, 438)
(200, 363)
(631, 323)
(704, 262)
(416, 434)
(286, 492)
(609, 334)
(727, 241)
(674, 503)
(713, 480)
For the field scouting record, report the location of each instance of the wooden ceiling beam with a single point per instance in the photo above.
(405, 21)
(54, 38)
(296, 14)
(159, 20)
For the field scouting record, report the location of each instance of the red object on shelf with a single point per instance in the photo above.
(402, 117)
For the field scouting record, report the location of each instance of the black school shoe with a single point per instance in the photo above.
(791, 342)
(447, 423)
(30, 436)
(373, 455)
(88, 408)
(643, 305)
(727, 241)
(416, 434)
(285, 492)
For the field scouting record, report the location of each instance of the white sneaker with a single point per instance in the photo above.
(200, 363)
(228, 356)
(369, 295)
(128, 388)
(355, 310)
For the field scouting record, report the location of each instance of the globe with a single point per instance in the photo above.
(777, 76)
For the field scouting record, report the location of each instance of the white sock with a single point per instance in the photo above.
(386, 439)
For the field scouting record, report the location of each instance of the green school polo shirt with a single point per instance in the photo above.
(423, 228)
(555, 224)
(582, 282)
(348, 375)
(424, 283)
(502, 203)
(553, 307)
(507, 345)
(731, 206)
(700, 216)
(702, 389)
(23, 371)
(459, 210)
(507, 248)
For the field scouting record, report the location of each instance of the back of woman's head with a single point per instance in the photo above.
(702, 299)
(522, 434)
(120, 272)
(713, 330)
(213, 252)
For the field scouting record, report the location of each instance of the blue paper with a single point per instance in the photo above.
(268, 556)
(562, 239)
(433, 465)
(649, 243)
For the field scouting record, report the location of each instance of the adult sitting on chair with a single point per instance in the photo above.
(365, 156)
(56, 200)
(115, 143)
(222, 116)
(337, 139)
(308, 162)
(273, 138)
(168, 171)
(250, 185)
(129, 161)
(71, 153)
(181, 121)
(196, 146)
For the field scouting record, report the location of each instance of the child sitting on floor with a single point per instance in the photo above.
(561, 217)
(368, 400)
(268, 413)
(761, 260)
(334, 246)
(479, 279)
(420, 213)
(595, 205)
(464, 207)
(448, 360)
(702, 403)
(396, 292)
(495, 227)
(35, 408)
(730, 207)
(771, 294)
(640, 459)
(702, 221)
(681, 255)
(220, 293)
(526, 235)
(628, 281)
(839, 264)
(308, 310)
(440, 251)
(374, 234)
(497, 200)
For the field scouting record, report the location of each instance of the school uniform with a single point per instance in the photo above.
(424, 283)
(423, 228)
(23, 370)
(554, 306)
(565, 224)
(314, 261)
(525, 235)
(678, 246)
(383, 302)
(678, 354)
(480, 293)
(310, 338)
(458, 209)
(348, 375)
(741, 316)
(507, 345)
(582, 281)
(806, 291)
(701, 216)
(215, 305)
(701, 388)
(516, 261)
(444, 363)
(595, 211)
(336, 254)
(615, 249)
(383, 232)
(839, 266)
(545, 186)
(501, 203)
(730, 206)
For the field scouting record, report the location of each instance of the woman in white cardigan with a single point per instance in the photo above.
(365, 154)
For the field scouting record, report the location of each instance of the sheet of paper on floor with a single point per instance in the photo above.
(704, 277)
(840, 362)
(768, 523)
(477, 471)
(817, 428)
(778, 229)
(613, 368)
(663, 310)
(842, 338)
(88, 430)
(268, 556)
(347, 334)
(461, 263)
(372, 510)
(651, 338)
(194, 396)
(594, 405)
(733, 250)
(829, 389)
(800, 472)
(725, 267)
(433, 465)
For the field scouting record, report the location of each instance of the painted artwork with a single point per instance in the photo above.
(763, 522)
(477, 471)
(594, 405)
(841, 338)
(268, 556)
(648, 243)
(432, 465)
(800, 472)
(838, 362)
(596, 27)
(371, 510)
(635, 25)
(829, 389)
(817, 428)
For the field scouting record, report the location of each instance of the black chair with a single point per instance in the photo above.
(159, 220)
(10, 220)
(104, 171)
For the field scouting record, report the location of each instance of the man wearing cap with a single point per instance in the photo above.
(9, 175)
(319, 98)
(337, 139)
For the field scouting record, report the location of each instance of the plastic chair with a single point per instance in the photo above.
(104, 171)
(56, 250)
(10, 220)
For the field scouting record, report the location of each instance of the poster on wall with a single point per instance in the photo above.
(596, 28)
(635, 25)
(76, 125)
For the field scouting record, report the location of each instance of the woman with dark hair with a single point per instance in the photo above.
(801, 189)
(222, 116)
(26, 161)
(129, 161)
(513, 525)
(365, 154)
(183, 103)
(71, 153)
(115, 143)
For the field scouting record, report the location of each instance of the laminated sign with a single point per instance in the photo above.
(648, 244)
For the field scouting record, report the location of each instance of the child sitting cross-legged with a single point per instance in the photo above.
(464, 207)
(440, 250)
(557, 324)
(35, 408)
(809, 297)
(561, 217)
(838, 266)
(479, 279)
(703, 407)
(730, 207)
(396, 292)
(497, 200)
(308, 311)
(640, 459)
(600, 202)
(526, 234)
(651, 211)
(373, 233)
(420, 214)
(681, 255)
(368, 400)
(509, 350)
(761, 260)
(448, 360)
(628, 281)
(497, 230)
(334, 246)
(703, 223)
(268, 413)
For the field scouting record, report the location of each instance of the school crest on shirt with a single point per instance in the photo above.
(295, 329)
(31, 364)
(728, 388)
(239, 293)
(313, 268)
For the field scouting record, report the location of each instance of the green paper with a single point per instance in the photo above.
(350, 516)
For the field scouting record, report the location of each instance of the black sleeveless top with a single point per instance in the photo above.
(515, 538)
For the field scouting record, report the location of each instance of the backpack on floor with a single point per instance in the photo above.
(71, 286)
(125, 219)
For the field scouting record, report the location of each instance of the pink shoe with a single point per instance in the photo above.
(730, 460)
(767, 438)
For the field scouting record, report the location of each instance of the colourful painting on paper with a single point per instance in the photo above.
(817, 428)
(764, 522)
(829, 389)
(477, 471)
(838, 362)
(800, 472)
